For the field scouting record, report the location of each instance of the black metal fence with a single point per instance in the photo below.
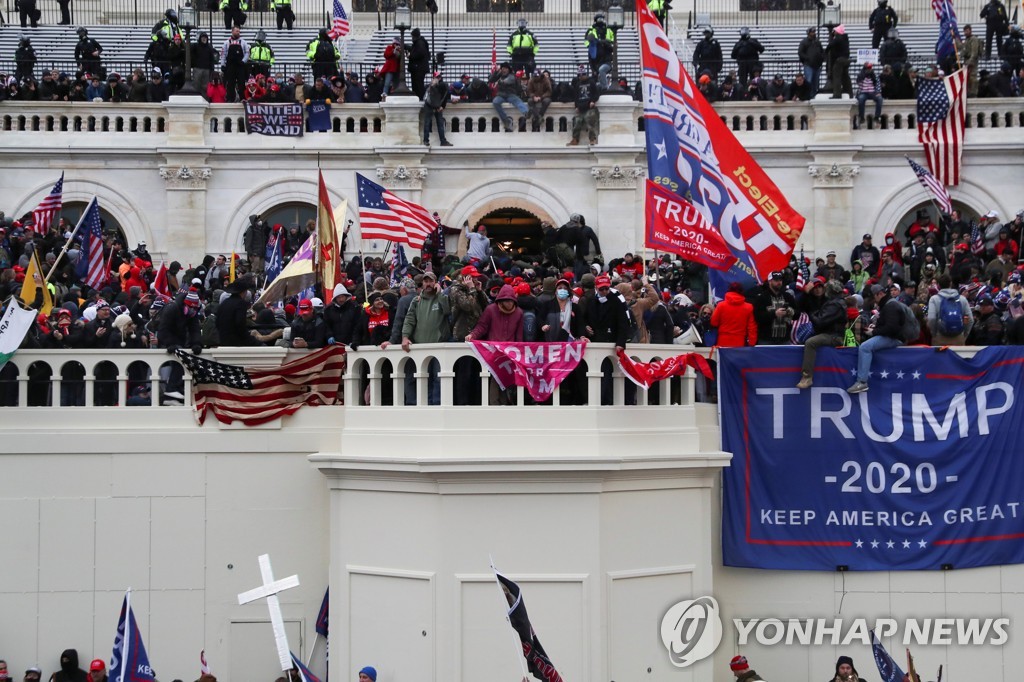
(378, 13)
(807, 12)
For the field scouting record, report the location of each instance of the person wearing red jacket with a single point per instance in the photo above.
(389, 71)
(734, 318)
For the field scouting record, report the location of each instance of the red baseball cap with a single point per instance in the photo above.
(97, 665)
(602, 281)
(305, 304)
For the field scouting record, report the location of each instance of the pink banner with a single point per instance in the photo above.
(538, 367)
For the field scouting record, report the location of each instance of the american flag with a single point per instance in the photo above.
(382, 215)
(91, 267)
(399, 266)
(49, 208)
(941, 112)
(304, 674)
(932, 185)
(977, 239)
(340, 27)
(261, 395)
(803, 273)
(948, 28)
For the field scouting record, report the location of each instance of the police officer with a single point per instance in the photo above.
(261, 55)
(659, 8)
(746, 52)
(323, 56)
(285, 15)
(996, 24)
(881, 20)
(522, 49)
(234, 12)
(1013, 49)
(24, 58)
(167, 27)
(87, 54)
(893, 52)
(707, 56)
(27, 12)
(600, 42)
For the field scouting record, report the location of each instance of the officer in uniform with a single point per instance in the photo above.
(747, 53)
(881, 20)
(261, 55)
(234, 12)
(323, 56)
(659, 8)
(707, 56)
(87, 54)
(522, 49)
(600, 42)
(285, 15)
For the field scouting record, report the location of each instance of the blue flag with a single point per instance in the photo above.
(273, 259)
(304, 673)
(318, 115)
(129, 662)
(948, 28)
(321, 618)
(887, 667)
(399, 266)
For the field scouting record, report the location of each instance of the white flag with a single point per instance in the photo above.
(13, 327)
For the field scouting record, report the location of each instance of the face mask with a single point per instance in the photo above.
(562, 294)
(602, 299)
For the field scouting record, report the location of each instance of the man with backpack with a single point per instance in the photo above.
(323, 56)
(949, 315)
(234, 56)
(896, 326)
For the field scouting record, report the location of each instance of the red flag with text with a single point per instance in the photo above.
(675, 225)
(645, 374)
(539, 367)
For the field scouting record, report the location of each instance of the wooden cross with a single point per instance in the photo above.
(269, 591)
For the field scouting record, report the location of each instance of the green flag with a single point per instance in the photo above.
(13, 327)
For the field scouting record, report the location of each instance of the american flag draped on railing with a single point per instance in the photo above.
(261, 395)
(941, 115)
(49, 208)
(340, 26)
(948, 28)
(929, 182)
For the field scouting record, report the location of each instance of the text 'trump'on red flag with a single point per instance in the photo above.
(693, 154)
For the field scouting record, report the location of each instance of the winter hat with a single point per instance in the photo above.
(192, 299)
(739, 664)
(370, 672)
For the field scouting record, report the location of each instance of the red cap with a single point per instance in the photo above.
(523, 289)
(578, 291)
(602, 281)
(739, 663)
(305, 304)
(470, 270)
(568, 275)
(289, 309)
(97, 665)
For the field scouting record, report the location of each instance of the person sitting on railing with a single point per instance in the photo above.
(538, 97)
(868, 87)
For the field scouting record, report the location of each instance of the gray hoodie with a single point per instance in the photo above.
(934, 304)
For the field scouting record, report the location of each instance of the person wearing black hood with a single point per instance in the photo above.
(1000, 84)
(845, 672)
(69, 670)
(204, 61)
(419, 63)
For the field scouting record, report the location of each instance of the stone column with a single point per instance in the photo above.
(619, 217)
(618, 120)
(186, 173)
(402, 121)
(833, 171)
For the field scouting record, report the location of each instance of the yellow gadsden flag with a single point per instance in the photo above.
(34, 280)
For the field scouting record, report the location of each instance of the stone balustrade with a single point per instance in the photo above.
(375, 378)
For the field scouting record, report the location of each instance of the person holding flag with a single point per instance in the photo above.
(969, 51)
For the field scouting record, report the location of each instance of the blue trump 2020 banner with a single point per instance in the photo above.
(922, 470)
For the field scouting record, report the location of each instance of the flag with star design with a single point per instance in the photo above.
(941, 123)
(256, 396)
(693, 154)
(383, 215)
(919, 472)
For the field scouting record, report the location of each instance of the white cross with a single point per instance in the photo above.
(269, 591)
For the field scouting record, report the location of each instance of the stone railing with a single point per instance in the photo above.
(374, 378)
(192, 121)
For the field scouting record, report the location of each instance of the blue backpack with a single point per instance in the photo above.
(951, 317)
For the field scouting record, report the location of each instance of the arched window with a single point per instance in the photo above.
(72, 211)
(296, 213)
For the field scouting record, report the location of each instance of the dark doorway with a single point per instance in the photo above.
(514, 232)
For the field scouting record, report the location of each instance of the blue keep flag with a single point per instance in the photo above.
(129, 662)
(304, 674)
(319, 116)
(273, 260)
(948, 28)
(887, 667)
(921, 471)
(399, 266)
(322, 617)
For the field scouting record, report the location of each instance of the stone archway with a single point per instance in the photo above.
(907, 197)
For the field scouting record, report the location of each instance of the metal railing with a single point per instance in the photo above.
(807, 12)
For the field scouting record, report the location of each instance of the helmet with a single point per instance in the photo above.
(599, 18)
(811, 30)
(261, 35)
(82, 31)
(882, 2)
(744, 32)
(522, 23)
(172, 15)
(323, 34)
(893, 33)
(708, 31)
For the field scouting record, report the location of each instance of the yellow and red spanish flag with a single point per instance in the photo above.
(326, 254)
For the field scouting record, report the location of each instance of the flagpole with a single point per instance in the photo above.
(126, 639)
(316, 638)
(518, 644)
(956, 50)
(68, 242)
